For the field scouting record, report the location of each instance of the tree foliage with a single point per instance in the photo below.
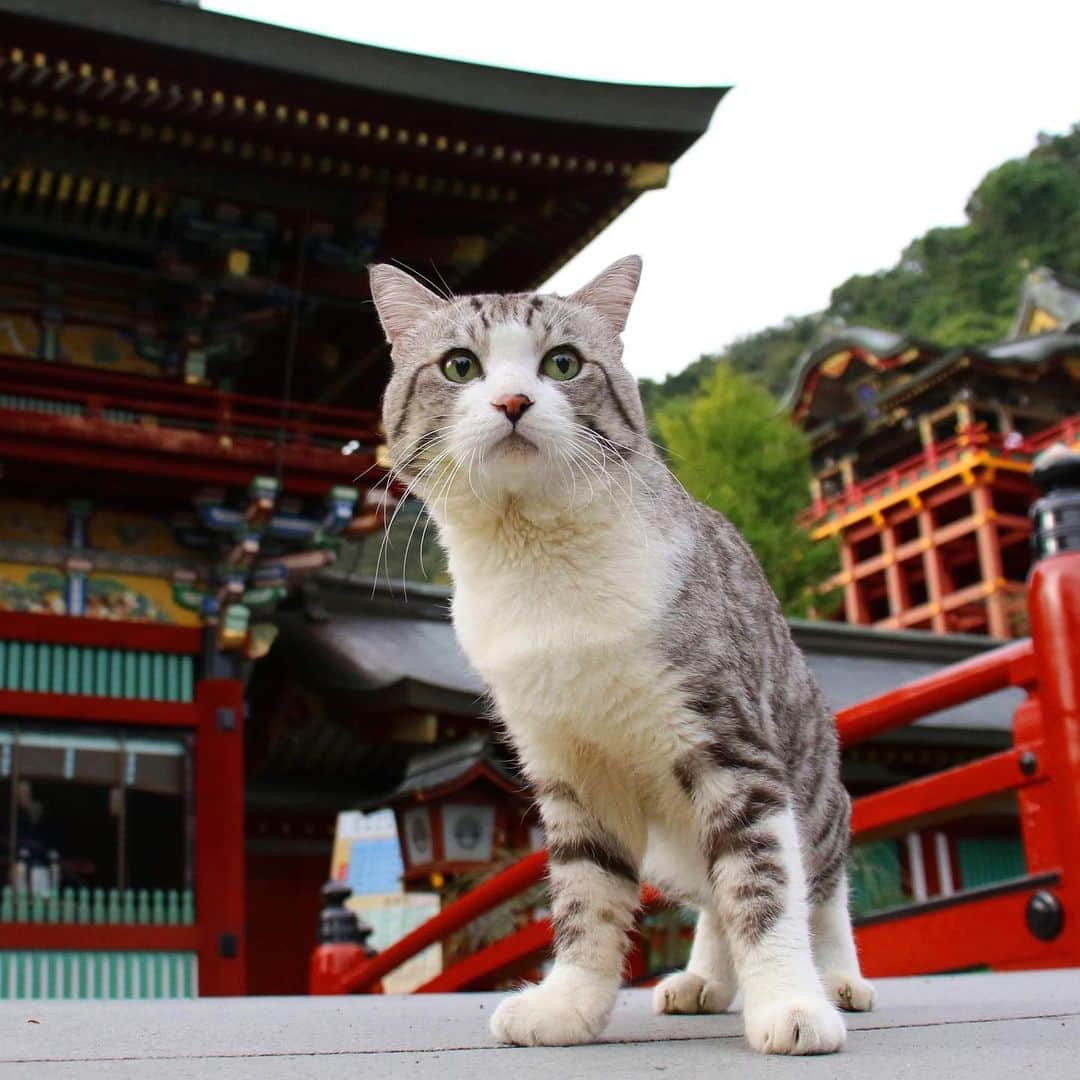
(952, 286)
(731, 449)
(959, 286)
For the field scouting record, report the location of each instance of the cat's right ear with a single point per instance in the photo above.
(399, 299)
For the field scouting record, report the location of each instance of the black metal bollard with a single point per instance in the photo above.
(338, 925)
(1056, 516)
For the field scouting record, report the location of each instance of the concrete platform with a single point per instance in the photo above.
(968, 1026)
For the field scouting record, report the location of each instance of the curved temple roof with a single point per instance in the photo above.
(884, 349)
(201, 134)
(679, 114)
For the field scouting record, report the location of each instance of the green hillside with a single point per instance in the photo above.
(952, 286)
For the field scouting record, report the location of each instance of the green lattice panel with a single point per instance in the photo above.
(96, 907)
(92, 975)
(985, 860)
(111, 673)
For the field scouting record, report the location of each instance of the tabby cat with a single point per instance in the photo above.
(638, 659)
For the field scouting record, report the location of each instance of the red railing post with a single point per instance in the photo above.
(1054, 608)
(330, 962)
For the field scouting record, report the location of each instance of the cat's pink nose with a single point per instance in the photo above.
(513, 405)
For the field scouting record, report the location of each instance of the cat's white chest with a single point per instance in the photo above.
(561, 631)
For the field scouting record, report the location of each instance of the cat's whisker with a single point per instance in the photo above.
(652, 459)
(389, 524)
(445, 491)
(445, 480)
(603, 445)
(627, 504)
(477, 452)
(567, 454)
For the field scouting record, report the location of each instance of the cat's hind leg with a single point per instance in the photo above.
(708, 984)
(834, 951)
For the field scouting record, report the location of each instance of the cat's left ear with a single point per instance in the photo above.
(612, 292)
(399, 299)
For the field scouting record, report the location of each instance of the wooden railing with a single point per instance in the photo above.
(936, 457)
(95, 393)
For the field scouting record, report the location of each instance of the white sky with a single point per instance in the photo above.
(852, 128)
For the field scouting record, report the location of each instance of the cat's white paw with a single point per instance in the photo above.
(550, 1016)
(852, 993)
(808, 1025)
(685, 993)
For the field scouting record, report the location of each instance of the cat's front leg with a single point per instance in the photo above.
(757, 874)
(752, 851)
(594, 860)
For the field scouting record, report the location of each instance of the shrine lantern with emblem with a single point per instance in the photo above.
(458, 810)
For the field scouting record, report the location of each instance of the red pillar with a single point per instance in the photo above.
(219, 837)
(1054, 605)
(990, 564)
(932, 571)
(852, 607)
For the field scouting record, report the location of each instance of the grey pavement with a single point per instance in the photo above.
(969, 1026)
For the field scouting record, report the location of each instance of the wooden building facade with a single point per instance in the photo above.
(922, 457)
(190, 373)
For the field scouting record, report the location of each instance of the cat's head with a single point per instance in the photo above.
(524, 393)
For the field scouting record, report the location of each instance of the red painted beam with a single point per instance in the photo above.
(23, 369)
(953, 787)
(106, 937)
(99, 633)
(85, 445)
(944, 689)
(99, 710)
(990, 932)
(208, 469)
(496, 890)
(502, 958)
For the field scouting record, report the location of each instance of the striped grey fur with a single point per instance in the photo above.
(735, 797)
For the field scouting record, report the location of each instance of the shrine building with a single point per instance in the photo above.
(190, 377)
(921, 459)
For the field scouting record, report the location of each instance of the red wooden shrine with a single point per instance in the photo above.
(921, 459)
(190, 375)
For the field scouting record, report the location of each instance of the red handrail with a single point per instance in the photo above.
(489, 894)
(530, 941)
(1068, 431)
(860, 491)
(984, 674)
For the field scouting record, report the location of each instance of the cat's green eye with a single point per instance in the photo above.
(561, 363)
(461, 366)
